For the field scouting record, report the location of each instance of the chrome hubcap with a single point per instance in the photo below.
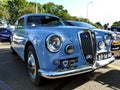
(31, 65)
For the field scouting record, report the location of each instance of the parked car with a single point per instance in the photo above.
(5, 34)
(53, 50)
(115, 43)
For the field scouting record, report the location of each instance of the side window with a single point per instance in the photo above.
(33, 21)
(3, 30)
(20, 24)
(50, 21)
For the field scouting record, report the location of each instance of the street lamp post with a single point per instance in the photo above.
(87, 10)
(36, 7)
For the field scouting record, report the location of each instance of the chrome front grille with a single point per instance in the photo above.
(88, 45)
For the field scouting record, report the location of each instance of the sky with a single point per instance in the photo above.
(103, 11)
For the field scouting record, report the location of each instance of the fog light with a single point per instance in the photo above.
(56, 62)
(69, 49)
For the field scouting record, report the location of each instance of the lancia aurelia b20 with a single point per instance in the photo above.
(53, 50)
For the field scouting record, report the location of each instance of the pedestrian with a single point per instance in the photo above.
(108, 26)
(105, 26)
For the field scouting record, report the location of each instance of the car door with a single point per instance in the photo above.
(19, 37)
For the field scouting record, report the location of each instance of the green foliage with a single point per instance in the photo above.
(3, 10)
(58, 10)
(49, 7)
(98, 25)
(116, 23)
(29, 9)
(84, 19)
(11, 10)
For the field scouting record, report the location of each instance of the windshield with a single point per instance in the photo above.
(43, 21)
(80, 24)
(83, 24)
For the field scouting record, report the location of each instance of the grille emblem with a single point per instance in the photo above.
(89, 56)
(84, 36)
(65, 63)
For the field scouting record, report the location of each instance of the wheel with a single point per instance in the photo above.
(32, 65)
(9, 39)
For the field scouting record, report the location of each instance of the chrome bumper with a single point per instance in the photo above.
(60, 74)
(57, 74)
(102, 63)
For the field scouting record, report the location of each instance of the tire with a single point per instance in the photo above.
(32, 66)
(13, 51)
(9, 39)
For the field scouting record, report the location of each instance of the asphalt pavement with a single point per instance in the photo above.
(14, 76)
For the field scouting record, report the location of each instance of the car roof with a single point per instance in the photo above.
(38, 14)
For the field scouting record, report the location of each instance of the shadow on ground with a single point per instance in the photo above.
(14, 74)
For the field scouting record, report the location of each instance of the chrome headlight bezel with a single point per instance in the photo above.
(101, 45)
(69, 49)
(108, 39)
(54, 43)
(114, 37)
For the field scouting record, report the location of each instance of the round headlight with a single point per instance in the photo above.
(108, 39)
(54, 43)
(69, 49)
(114, 37)
(101, 45)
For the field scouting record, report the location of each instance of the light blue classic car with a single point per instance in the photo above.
(53, 50)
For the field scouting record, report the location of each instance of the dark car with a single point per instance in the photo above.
(116, 29)
(116, 44)
(5, 34)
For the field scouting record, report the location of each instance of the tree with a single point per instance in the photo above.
(83, 19)
(14, 6)
(98, 25)
(57, 10)
(49, 7)
(3, 10)
(28, 9)
(11, 10)
(116, 23)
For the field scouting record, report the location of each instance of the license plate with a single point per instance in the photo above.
(66, 64)
(105, 55)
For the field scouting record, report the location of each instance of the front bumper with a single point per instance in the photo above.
(66, 73)
(102, 63)
(115, 47)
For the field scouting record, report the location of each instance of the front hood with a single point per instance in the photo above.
(68, 33)
(103, 31)
(63, 30)
(58, 28)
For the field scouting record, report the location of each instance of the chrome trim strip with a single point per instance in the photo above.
(104, 62)
(57, 74)
(80, 43)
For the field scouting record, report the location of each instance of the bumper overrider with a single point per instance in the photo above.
(83, 69)
(115, 45)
